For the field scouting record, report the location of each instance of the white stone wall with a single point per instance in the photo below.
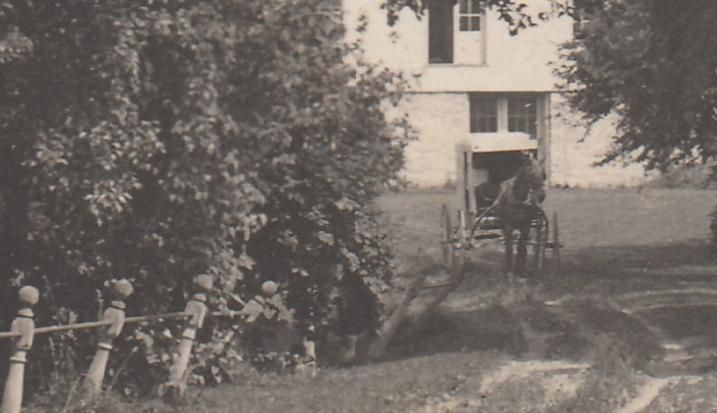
(441, 120)
(573, 154)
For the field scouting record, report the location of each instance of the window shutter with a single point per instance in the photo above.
(440, 31)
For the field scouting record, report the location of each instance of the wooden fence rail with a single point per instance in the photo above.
(113, 319)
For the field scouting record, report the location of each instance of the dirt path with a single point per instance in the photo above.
(558, 379)
(521, 369)
(651, 390)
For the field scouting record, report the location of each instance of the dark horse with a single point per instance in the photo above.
(516, 205)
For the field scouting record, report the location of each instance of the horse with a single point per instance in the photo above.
(516, 205)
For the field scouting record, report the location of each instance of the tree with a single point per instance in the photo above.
(157, 139)
(647, 63)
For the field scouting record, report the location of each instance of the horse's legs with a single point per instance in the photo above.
(508, 237)
(522, 249)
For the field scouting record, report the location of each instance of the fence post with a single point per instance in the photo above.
(114, 314)
(196, 309)
(307, 367)
(25, 325)
(310, 351)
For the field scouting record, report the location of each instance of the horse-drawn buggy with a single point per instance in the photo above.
(500, 190)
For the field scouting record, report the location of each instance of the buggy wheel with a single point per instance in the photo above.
(539, 234)
(556, 245)
(446, 238)
(459, 260)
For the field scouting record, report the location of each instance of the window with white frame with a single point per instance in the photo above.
(483, 113)
(523, 115)
(506, 112)
(469, 15)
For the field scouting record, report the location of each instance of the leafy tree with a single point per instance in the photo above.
(157, 139)
(647, 62)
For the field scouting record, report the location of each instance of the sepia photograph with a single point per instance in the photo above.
(358, 206)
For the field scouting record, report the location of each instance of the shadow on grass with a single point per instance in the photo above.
(593, 275)
(607, 271)
(490, 329)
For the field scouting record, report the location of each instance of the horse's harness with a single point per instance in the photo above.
(507, 191)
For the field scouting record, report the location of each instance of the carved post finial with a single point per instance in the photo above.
(24, 324)
(196, 309)
(204, 282)
(269, 288)
(115, 315)
(28, 296)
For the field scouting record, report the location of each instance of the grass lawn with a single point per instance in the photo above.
(615, 239)
(589, 218)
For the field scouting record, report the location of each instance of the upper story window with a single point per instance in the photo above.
(456, 32)
(440, 32)
(469, 15)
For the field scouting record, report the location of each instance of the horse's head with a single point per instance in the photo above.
(533, 175)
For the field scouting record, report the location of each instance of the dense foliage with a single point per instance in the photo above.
(160, 139)
(647, 62)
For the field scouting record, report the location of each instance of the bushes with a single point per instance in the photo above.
(156, 140)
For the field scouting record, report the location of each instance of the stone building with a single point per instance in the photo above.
(470, 77)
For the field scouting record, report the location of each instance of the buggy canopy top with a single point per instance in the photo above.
(497, 142)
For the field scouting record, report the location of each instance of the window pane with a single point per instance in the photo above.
(475, 6)
(522, 115)
(493, 124)
(463, 25)
(475, 23)
(483, 114)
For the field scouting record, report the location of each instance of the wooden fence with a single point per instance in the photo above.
(113, 319)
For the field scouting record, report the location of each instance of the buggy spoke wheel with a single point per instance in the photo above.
(556, 244)
(446, 238)
(459, 259)
(539, 237)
